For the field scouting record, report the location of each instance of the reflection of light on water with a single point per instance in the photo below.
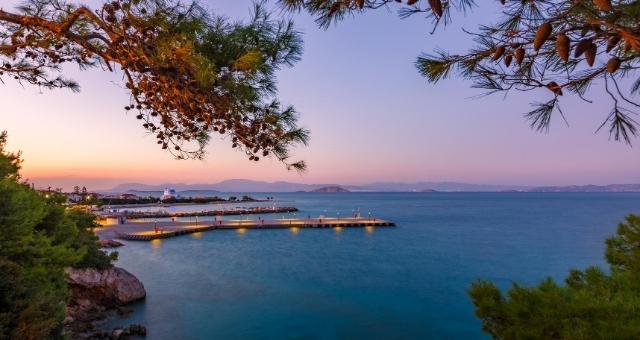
(155, 243)
(196, 235)
(294, 230)
(241, 230)
(369, 229)
(337, 229)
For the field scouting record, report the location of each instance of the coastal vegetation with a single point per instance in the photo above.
(592, 303)
(40, 237)
(189, 73)
(557, 46)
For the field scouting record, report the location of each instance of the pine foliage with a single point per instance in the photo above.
(39, 238)
(592, 304)
(549, 40)
(190, 73)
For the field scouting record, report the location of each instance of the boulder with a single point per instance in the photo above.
(109, 243)
(109, 288)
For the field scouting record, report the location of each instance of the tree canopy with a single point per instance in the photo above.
(189, 73)
(557, 45)
(39, 239)
(593, 304)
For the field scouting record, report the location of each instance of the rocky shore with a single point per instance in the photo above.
(93, 292)
(108, 243)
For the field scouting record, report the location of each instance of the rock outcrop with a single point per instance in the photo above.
(94, 291)
(109, 288)
(109, 243)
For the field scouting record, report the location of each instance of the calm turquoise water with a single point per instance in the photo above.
(406, 282)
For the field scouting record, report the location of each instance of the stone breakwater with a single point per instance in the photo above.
(247, 211)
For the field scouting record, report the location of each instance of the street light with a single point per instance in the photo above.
(369, 216)
(196, 221)
(338, 217)
(353, 212)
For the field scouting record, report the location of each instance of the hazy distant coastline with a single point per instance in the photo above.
(243, 185)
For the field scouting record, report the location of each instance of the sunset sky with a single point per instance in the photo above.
(372, 118)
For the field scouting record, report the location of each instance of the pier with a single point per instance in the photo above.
(145, 231)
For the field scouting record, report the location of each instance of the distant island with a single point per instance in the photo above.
(330, 189)
(243, 186)
(590, 188)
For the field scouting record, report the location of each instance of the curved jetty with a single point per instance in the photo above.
(160, 214)
(146, 231)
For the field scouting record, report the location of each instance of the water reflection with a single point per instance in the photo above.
(155, 243)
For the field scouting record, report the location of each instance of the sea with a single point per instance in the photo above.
(403, 282)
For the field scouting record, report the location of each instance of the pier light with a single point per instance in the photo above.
(338, 217)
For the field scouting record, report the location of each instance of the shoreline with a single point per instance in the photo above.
(164, 205)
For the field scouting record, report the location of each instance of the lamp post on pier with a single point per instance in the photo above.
(196, 221)
(338, 217)
(369, 216)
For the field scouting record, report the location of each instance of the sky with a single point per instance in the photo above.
(372, 118)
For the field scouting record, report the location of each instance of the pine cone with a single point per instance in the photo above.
(411, 2)
(613, 64)
(499, 52)
(360, 3)
(581, 47)
(519, 55)
(613, 41)
(542, 34)
(603, 5)
(590, 53)
(436, 7)
(334, 7)
(563, 46)
(507, 60)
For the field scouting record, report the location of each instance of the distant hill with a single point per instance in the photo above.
(427, 190)
(244, 185)
(231, 185)
(439, 186)
(331, 189)
(590, 188)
